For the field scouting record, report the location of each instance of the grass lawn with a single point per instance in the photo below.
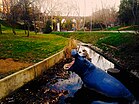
(114, 42)
(97, 38)
(29, 49)
(18, 51)
(123, 28)
(87, 37)
(113, 28)
(35, 48)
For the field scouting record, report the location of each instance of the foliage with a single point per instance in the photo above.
(68, 24)
(129, 12)
(48, 27)
(0, 29)
(94, 27)
(105, 16)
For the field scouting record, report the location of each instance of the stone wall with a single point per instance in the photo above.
(18, 79)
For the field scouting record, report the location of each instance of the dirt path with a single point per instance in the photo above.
(9, 66)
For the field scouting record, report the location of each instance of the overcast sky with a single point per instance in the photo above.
(87, 6)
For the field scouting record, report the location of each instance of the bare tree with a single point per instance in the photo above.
(135, 11)
(36, 17)
(0, 18)
(71, 8)
(9, 13)
(26, 16)
(52, 8)
(12, 15)
(77, 14)
(49, 8)
(40, 5)
(106, 16)
(6, 9)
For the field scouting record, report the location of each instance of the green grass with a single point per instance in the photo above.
(30, 49)
(37, 47)
(98, 38)
(118, 44)
(87, 37)
(113, 28)
(117, 39)
(129, 28)
(123, 28)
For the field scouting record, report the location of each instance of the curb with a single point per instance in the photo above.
(18, 79)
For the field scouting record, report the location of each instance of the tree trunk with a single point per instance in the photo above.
(28, 31)
(13, 29)
(25, 32)
(35, 29)
(25, 27)
(101, 26)
(0, 29)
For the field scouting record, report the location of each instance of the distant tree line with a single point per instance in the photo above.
(35, 15)
(43, 15)
(20, 14)
(129, 12)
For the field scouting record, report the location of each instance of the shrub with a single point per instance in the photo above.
(48, 28)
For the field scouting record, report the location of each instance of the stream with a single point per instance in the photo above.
(57, 86)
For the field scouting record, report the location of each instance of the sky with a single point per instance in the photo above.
(89, 6)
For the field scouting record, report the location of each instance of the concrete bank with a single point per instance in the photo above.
(113, 60)
(18, 79)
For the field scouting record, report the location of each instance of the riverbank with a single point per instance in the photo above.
(57, 86)
(123, 48)
(18, 51)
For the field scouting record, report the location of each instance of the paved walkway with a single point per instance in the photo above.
(118, 31)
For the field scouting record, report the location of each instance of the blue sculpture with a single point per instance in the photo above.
(97, 79)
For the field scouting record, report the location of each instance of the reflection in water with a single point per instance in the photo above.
(87, 96)
(74, 84)
(97, 60)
